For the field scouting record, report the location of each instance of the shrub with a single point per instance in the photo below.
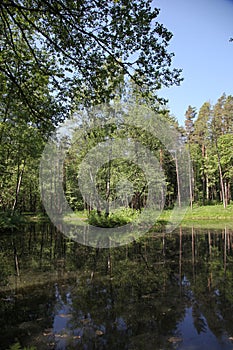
(117, 218)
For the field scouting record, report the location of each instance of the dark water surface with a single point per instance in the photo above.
(167, 292)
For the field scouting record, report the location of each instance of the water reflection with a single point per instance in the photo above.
(166, 292)
(193, 325)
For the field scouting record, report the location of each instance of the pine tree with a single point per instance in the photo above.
(200, 137)
(189, 127)
(217, 130)
(189, 121)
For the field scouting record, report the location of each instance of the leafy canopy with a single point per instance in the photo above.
(83, 45)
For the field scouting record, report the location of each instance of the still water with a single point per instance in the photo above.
(167, 292)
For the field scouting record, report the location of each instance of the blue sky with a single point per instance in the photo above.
(201, 31)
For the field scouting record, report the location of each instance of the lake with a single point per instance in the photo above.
(168, 291)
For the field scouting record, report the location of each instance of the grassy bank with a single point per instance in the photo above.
(210, 216)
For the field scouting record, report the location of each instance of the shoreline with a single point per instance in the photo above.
(209, 216)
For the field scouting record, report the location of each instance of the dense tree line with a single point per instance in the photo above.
(122, 180)
(210, 141)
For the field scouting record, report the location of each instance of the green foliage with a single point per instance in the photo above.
(28, 113)
(225, 143)
(20, 149)
(119, 217)
(6, 269)
(189, 116)
(9, 221)
(47, 70)
(17, 346)
(210, 145)
(87, 55)
(123, 178)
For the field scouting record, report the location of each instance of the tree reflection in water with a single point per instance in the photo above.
(165, 292)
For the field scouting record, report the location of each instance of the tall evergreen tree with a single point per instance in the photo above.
(189, 128)
(228, 115)
(200, 138)
(189, 121)
(218, 129)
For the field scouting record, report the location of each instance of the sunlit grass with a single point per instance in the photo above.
(216, 212)
(210, 216)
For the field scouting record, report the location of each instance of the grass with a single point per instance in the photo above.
(77, 217)
(35, 217)
(210, 216)
(216, 212)
(118, 218)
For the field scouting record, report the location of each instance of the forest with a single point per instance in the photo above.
(82, 127)
(209, 138)
(59, 60)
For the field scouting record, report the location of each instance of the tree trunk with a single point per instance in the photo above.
(207, 180)
(222, 183)
(19, 181)
(107, 194)
(221, 176)
(16, 262)
(203, 175)
(191, 184)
